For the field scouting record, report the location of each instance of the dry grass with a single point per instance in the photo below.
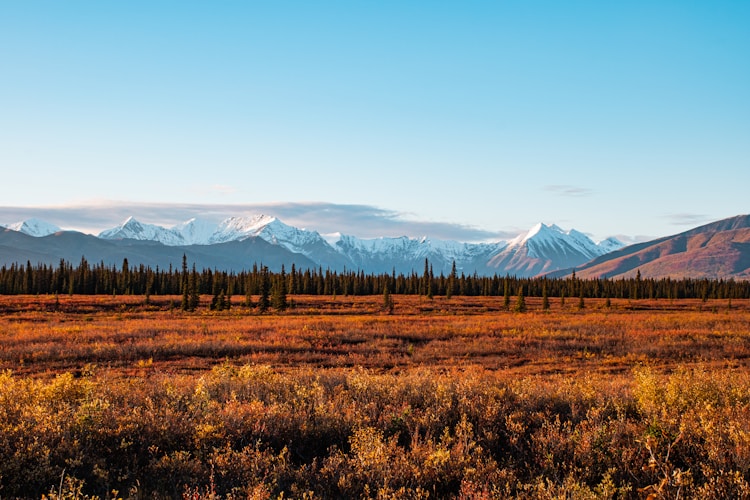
(337, 399)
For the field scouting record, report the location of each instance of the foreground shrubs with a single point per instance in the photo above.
(253, 431)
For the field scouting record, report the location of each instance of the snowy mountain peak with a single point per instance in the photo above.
(135, 230)
(610, 245)
(34, 227)
(195, 231)
(538, 231)
(239, 228)
(538, 228)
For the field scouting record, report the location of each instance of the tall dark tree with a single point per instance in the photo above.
(520, 301)
(185, 305)
(278, 299)
(387, 300)
(193, 294)
(264, 289)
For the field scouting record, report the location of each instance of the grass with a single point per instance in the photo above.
(336, 398)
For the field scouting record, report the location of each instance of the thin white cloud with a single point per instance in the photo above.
(567, 190)
(364, 221)
(686, 219)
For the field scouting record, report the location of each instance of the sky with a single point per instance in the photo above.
(465, 120)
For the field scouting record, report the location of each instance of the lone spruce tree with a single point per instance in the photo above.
(520, 301)
(545, 298)
(387, 300)
(185, 305)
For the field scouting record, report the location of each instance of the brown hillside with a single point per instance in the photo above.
(720, 250)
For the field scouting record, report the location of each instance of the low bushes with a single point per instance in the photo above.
(253, 431)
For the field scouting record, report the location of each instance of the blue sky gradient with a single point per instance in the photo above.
(610, 117)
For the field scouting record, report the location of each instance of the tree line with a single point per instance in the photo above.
(94, 279)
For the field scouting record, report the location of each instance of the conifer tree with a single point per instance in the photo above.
(520, 301)
(545, 298)
(265, 287)
(185, 289)
(193, 296)
(278, 299)
(387, 300)
(452, 285)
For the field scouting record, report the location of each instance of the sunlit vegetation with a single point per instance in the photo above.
(380, 396)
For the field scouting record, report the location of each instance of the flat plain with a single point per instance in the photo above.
(338, 398)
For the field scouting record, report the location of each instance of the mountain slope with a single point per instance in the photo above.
(408, 254)
(16, 247)
(34, 227)
(548, 248)
(717, 250)
(132, 229)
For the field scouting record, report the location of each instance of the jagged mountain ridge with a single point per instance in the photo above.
(542, 248)
(34, 227)
(547, 248)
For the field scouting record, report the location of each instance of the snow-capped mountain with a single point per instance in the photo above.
(610, 245)
(548, 248)
(542, 249)
(407, 254)
(34, 227)
(300, 241)
(195, 231)
(131, 229)
(269, 228)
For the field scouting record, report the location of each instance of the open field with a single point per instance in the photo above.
(334, 398)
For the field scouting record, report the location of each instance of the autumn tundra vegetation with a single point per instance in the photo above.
(529, 394)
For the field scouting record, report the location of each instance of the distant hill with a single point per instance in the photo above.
(720, 250)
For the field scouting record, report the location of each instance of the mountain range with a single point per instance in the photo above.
(239, 242)
(717, 250)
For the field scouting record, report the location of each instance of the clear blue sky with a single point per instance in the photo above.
(610, 117)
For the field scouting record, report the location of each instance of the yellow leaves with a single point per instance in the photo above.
(438, 458)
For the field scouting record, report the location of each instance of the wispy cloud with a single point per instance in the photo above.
(568, 190)
(364, 221)
(685, 219)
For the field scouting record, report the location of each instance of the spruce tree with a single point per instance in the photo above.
(193, 296)
(520, 301)
(265, 287)
(387, 300)
(184, 283)
(279, 293)
(452, 277)
(545, 298)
